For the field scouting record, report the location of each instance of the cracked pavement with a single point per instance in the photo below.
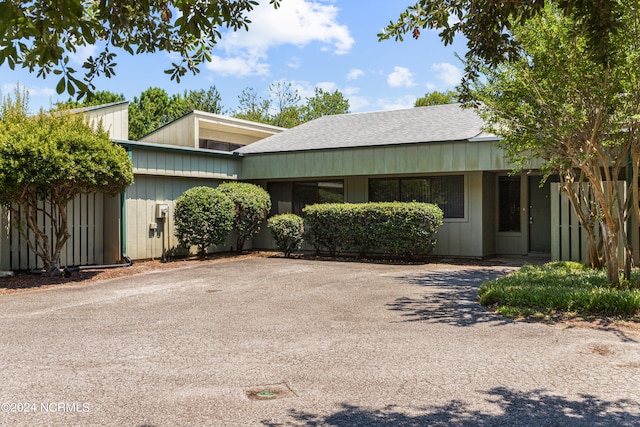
(331, 343)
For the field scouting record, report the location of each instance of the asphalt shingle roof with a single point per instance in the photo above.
(422, 124)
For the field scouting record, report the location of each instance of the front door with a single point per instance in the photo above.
(539, 216)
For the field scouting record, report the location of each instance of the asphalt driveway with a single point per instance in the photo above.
(272, 341)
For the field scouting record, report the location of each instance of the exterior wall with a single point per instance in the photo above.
(141, 200)
(170, 161)
(161, 175)
(462, 237)
(393, 159)
(188, 130)
(182, 132)
(114, 119)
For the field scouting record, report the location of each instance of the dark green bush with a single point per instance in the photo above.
(203, 217)
(405, 229)
(252, 203)
(287, 230)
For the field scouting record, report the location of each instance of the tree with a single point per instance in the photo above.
(488, 25)
(96, 98)
(285, 101)
(282, 107)
(437, 98)
(580, 116)
(252, 107)
(203, 218)
(148, 112)
(41, 36)
(208, 100)
(324, 103)
(252, 204)
(46, 160)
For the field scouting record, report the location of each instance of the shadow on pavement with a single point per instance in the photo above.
(533, 408)
(451, 298)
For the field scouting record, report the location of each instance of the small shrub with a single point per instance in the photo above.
(252, 204)
(287, 230)
(406, 229)
(203, 218)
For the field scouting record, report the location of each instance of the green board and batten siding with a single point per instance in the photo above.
(162, 173)
(437, 157)
(466, 236)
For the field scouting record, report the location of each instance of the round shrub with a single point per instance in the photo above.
(203, 217)
(287, 230)
(252, 204)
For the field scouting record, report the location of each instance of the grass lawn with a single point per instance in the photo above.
(561, 288)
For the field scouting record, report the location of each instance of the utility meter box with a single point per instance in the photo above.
(162, 211)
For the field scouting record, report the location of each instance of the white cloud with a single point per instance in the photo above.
(327, 86)
(449, 74)
(407, 101)
(34, 91)
(294, 62)
(249, 64)
(354, 74)
(295, 22)
(82, 53)
(400, 77)
(357, 103)
(430, 87)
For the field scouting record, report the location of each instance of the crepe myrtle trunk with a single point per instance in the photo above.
(48, 247)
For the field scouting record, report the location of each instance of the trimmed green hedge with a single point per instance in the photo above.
(287, 230)
(405, 229)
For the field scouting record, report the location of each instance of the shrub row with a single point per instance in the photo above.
(406, 229)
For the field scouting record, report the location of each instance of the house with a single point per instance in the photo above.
(437, 154)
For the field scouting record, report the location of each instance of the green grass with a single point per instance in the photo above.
(560, 288)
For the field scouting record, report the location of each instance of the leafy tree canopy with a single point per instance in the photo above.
(283, 106)
(559, 104)
(96, 98)
(488, 24)
(155, 108)
(325, 103)
(40, 36)
(437, 98)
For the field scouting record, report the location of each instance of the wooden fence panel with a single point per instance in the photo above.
(85, 219)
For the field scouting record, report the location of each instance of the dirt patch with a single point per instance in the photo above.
(24, 281)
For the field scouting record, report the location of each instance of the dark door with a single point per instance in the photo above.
(539, 216)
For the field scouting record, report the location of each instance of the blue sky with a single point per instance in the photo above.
(321, 43)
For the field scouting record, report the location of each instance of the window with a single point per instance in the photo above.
(209, 144)
(445, 191)
(509, 204)
(293, 196)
